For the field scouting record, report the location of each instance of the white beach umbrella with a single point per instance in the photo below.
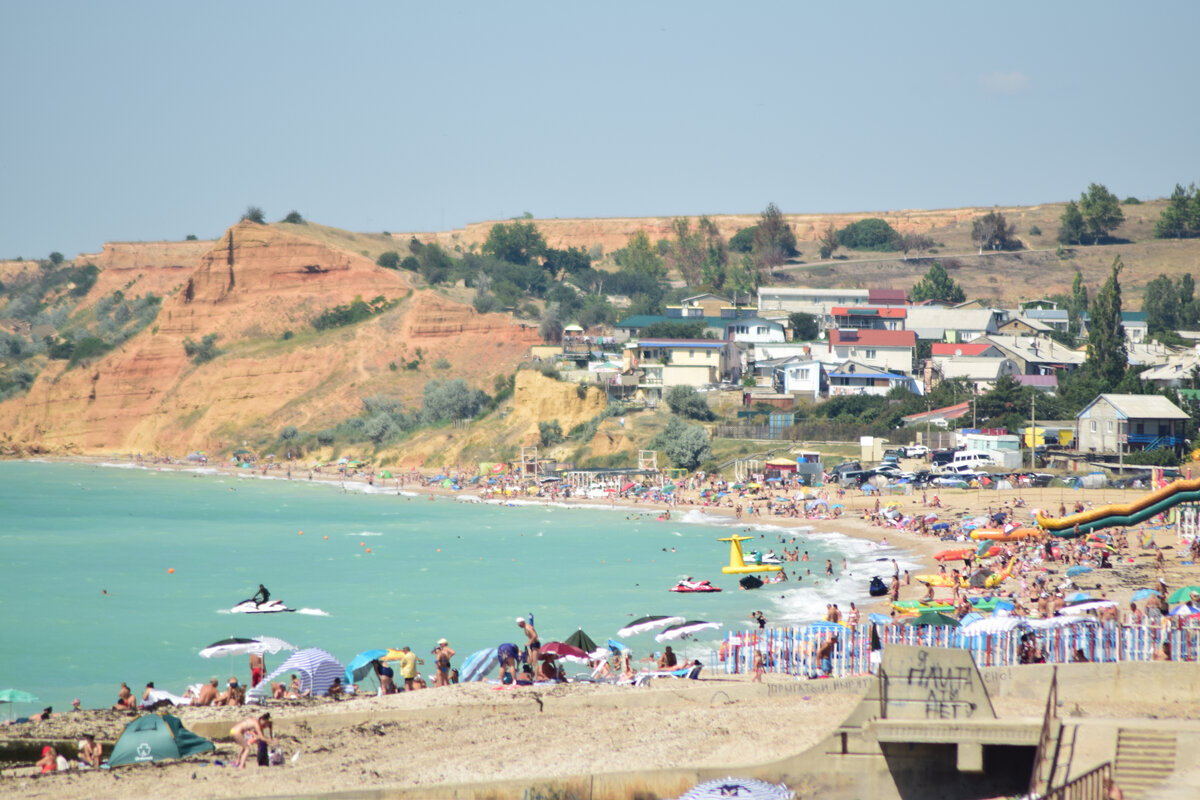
(741, 788)
(237, 646)
(685, 629)
(643, 624)
(993, 625)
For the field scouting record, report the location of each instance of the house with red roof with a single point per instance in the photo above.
(893, 351)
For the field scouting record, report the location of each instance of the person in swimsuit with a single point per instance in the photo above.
(249, 730)
(443, 653)
(535, 644)
(509, 654)
(263, 593)
(89, 751)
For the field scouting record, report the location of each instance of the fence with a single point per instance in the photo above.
(1091, 785)
(793, 651)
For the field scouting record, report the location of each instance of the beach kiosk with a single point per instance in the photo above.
(737, 561)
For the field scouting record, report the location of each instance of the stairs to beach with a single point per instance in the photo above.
(1145, 758)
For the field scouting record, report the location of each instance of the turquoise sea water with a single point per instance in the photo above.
(87, 601)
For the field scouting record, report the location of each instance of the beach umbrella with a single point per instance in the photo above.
(385, 474)
(562, 650)
(879, 619)
(362, 665)
(973, 616)
(685, 629)
(1078, 569)
(644, 624)
(993, 626)
(1093, 605)
(316, 670)
(618, 647)
(582, 641)
(1079, 597)
(1142, 594)
(477, 665)
(237, 646)
(826, 626)
(934, 618)
(13, 696)
(1182, 594)
(1059, 622)
(741, 788)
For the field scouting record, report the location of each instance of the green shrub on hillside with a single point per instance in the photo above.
(356, 311)
(872, 234)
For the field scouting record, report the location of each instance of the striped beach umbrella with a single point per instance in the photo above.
(741, 788)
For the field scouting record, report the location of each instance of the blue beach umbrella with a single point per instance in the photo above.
(1078, 569)
(1142, 594)
(360, 666)
(1079, 597)
(879, 619)
(826, 626)
(617, 647)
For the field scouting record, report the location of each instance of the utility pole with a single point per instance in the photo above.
(1033, 430)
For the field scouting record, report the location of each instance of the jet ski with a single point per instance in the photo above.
(694, 586)
(251, 607)
(768, 558)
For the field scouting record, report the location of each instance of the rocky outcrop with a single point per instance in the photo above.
(249, 287)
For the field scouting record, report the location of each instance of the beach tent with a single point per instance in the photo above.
(315, 668)
(156, 737)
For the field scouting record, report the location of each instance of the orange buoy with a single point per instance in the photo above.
(368, 549)
(326, 537)
(170, 570)
(301, 533)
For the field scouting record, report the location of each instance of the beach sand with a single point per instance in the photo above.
(479, 734)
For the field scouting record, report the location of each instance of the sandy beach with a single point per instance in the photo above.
(482, 734)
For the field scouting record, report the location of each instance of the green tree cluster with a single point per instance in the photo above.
(1097, 214)
(1170, 305)
(805, 327)
(255, 214)
(687, 446)
(352, 313)
(1107, 355)
(993, 232)
(937, 285)
(1181, 218)
(872, 234)
(203, 351)
(687, 402)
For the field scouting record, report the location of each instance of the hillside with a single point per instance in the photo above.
(258, 289)
(250, 287)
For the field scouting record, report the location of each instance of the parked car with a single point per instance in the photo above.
(845, 466)
(895, 452)
(942, 457)
(916, 451)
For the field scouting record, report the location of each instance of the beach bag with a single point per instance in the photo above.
(277, 757)
(264, 757)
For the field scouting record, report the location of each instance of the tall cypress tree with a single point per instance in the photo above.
(1107, 356)
(1078, 305)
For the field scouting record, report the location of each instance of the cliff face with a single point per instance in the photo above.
(613, 233)
(250, 287)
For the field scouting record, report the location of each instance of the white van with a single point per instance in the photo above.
(968, 459)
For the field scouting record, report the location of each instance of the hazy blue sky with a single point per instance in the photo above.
(153, 120)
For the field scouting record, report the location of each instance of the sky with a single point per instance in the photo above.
(140, 121)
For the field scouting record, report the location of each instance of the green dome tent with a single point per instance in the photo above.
(155, 737)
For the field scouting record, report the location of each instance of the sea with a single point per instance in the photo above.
(114, 572)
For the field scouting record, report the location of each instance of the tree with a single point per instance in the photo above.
(1107, 355)
(451, 399)
(640, 256)
(515, 242)
(676, 329)
(1101, 211)
(551, 328)
(686, 402)
(872, 234)
(56, 258)
(828, 241)
(992, 232)
(1189, 310)
(255, 214)
(571, 261)
(804, 326)
(687, 253)
(743, 240)
(687, 446)
(389, 260)
(938, 286)
(1161, 304)
(774, 239)
(550, 432)
(1071, 227)
(918, 242)
(294, 218)
(1178, 219)
(1077, 306)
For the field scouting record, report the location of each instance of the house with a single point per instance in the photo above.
(889, 318)
(1179, 370)
(754, 330)
(680, 362)
(952, 324)
(980, 372)
(1037, 355)
(887, 297)
(802, 378)
(1150, 353)
(983, 349)
(892, 351)
(1024, 326)
(1047, 384)
(1134, 323)
(817, 302)
(855, 377)
(1130, 422)
(1057, 318)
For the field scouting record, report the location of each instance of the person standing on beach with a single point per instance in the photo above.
(442, 654)
(531, 636)
(408, 667)
(256, 669)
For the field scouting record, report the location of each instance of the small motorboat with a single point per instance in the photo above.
(251, 607)
(877, 588)
(695, 586)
